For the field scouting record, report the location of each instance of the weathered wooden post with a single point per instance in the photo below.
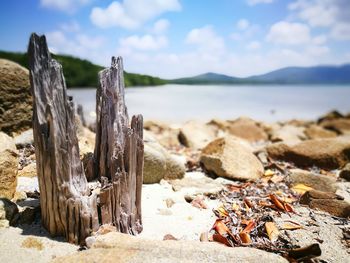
(68, 207)
(118, 153)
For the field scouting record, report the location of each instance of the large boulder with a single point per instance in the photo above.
(196, 135)
(247, 129)
(15, 98)
(318, 132)
(118, 247)
(324, 153)
(228, 157)
(8, 166)
(159, 163)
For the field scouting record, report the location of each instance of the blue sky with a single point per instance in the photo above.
(176, 38)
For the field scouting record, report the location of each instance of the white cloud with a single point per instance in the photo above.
(206, 39)
(317, 50)
(146, 42)
(319, 40)
(170, 65)
(254, 45)
(243, 24)
(289, 33)
(245, 31)
(160, 26)
(255, 2)
(68, 6)
(131, 14)
(322, 13)
(72, 26)
(341, 31)
(79, 45)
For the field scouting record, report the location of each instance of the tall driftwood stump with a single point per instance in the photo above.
(68, 206)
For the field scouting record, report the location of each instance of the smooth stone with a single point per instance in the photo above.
(196, 135)
(118, 247)
(318, 132)
(228, 158)
(329, 153)
(25, 138)
(159, 163)
(319, 182)
(247, 129)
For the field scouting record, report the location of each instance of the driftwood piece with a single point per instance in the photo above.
(118, 153)
(68, 207)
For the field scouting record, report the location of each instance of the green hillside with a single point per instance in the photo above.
(83, 73)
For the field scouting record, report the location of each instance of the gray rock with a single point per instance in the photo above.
(8, 212)
(25, 138)
(159, 163)
(227, 157)
(117, 247)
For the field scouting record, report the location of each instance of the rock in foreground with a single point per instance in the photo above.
(323, 153)
(15, 98)
(8, 166)
(228, 157)
(159, 163)
(117, 247)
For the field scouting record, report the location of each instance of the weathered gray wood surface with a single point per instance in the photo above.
(67, 205)
(118, 153)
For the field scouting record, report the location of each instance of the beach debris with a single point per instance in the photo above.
(199, 202)
(272, 231)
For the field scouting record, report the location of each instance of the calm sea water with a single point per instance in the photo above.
(178, 103)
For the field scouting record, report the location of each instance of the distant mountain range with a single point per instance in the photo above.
(83, 73)
(290, 75)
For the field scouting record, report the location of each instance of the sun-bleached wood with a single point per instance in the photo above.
(68, 207)
(118, 153)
